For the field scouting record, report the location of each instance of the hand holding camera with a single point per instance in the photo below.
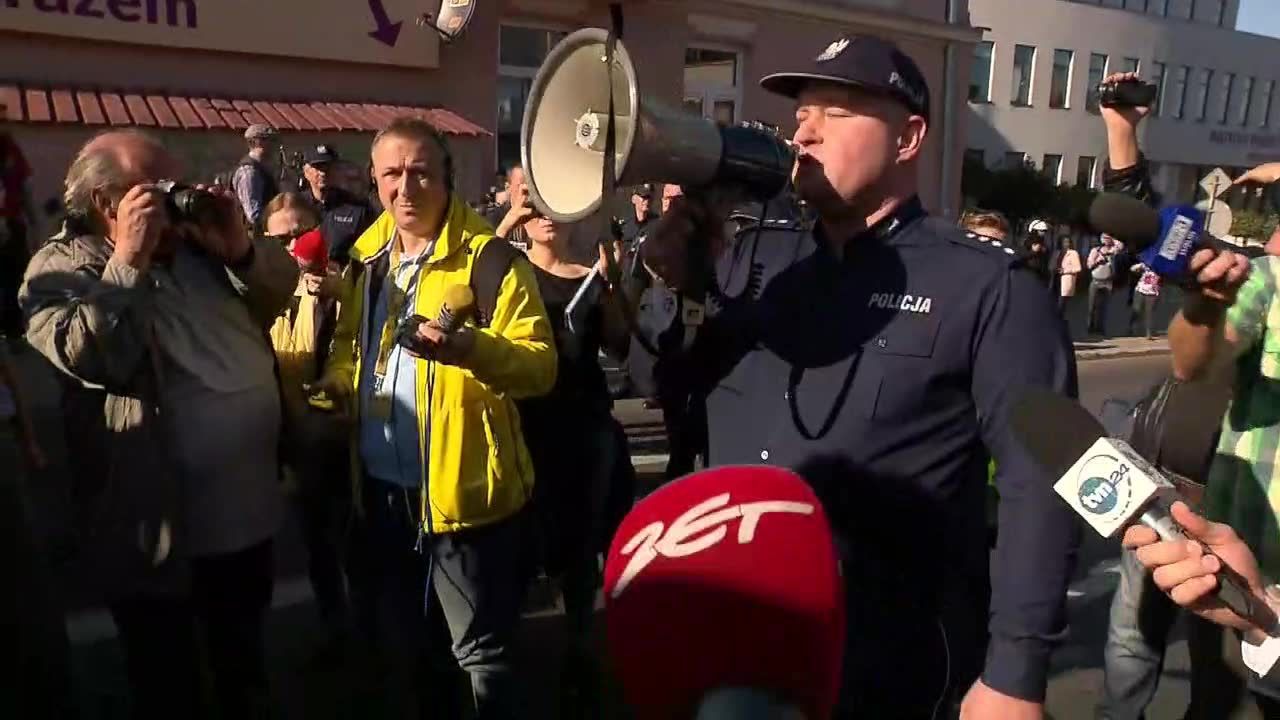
(141, 220)
(215, 213)
(521, 211)
(1125, 100)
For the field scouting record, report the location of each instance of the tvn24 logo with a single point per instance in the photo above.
(1105, 486)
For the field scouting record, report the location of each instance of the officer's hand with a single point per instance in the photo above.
(1183, 571)
(983, 703)
(1127, 118)
(1218, 274)
(666, 251)
(1262, 175)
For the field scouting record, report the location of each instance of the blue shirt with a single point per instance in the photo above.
(885, 378)
(389, 447)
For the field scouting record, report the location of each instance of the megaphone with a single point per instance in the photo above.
(562, 139)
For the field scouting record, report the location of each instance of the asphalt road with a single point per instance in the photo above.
(315, 692)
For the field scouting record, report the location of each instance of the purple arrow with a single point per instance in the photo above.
(386, 31)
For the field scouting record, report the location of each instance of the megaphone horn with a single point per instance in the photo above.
(562, 140)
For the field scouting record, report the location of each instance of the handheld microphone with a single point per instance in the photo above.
(1164, 240)
(723, 599)
(311, 252)
(459, 305)
(1109, 484)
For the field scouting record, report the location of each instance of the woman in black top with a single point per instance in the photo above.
(571, 433)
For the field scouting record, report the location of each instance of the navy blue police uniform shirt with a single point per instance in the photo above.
(886, 379)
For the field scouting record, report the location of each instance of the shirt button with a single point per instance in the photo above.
(764, 454)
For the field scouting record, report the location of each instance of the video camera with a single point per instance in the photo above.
(1127, 94)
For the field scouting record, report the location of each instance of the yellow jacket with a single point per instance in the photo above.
(477, 469)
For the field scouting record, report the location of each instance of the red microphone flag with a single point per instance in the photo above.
(726, 578)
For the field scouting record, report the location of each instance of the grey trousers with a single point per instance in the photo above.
(473, 580)
(1141, 617)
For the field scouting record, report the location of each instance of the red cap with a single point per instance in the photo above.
(727, 578)
(311, 251)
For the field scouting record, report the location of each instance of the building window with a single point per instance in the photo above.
(1228, 88)
(1191, 10)
(1200, 100)
(1014, 160)
(1267, 95)
(521, 51)
(1178, 91)
(976, 157)
(1052, 168)
(1246, 102)
(1024, 65)
(1158, 76)
(980, 75)
(1164, 8)
(1060, 85)
(1139, 5)
(711, 83)
(1131, 65)
(1097, 71)
(1085, 170)
(1221, 18)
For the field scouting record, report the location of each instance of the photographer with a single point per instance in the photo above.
(509, 219)
(887, 345)
(155, 305)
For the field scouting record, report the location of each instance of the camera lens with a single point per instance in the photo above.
(198, 206)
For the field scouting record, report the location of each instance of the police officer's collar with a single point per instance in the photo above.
(905, 215)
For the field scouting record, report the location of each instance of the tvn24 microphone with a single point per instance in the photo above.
(1163, 240)
(723, 599)
(1108, 483)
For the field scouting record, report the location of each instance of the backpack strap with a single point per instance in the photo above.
(487, 272)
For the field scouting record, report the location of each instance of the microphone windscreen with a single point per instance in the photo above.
(311, 251)
(1127, 219)
(1053, 428)
(459, 304)
(726, 578)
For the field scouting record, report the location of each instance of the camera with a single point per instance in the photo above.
(188, 204)
(1130, 93)
(407, 335)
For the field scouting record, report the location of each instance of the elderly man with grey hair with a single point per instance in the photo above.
(157, 323)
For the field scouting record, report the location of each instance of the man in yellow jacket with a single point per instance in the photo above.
(443, 469)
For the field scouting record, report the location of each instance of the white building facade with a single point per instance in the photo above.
(1030, 87)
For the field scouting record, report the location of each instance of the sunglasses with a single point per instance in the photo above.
(286, 238)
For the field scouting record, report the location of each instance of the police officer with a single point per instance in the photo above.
(879, 354)
(343, 216)
(253, 180)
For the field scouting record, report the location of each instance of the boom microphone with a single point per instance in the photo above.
(1108, 483)
(723, 599)
(459, 305)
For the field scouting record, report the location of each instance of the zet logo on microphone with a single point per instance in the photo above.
(1104, 487)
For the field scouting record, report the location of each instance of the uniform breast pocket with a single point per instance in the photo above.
(897, 367)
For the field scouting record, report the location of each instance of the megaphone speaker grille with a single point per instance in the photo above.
(565, 120)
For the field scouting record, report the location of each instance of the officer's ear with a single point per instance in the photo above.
(911, 138)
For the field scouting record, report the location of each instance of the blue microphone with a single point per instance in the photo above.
(1181, 227)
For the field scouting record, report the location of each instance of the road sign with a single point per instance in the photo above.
(1216, 182)
(1218, 217)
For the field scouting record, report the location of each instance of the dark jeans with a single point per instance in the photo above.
(325, 511)
(1141, 618)
(1099, 297)
(475, 579)
(162, 638)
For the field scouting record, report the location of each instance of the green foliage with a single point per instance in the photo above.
(1253, 224)
(1024, 193)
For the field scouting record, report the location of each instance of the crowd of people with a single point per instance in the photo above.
(224, 352)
